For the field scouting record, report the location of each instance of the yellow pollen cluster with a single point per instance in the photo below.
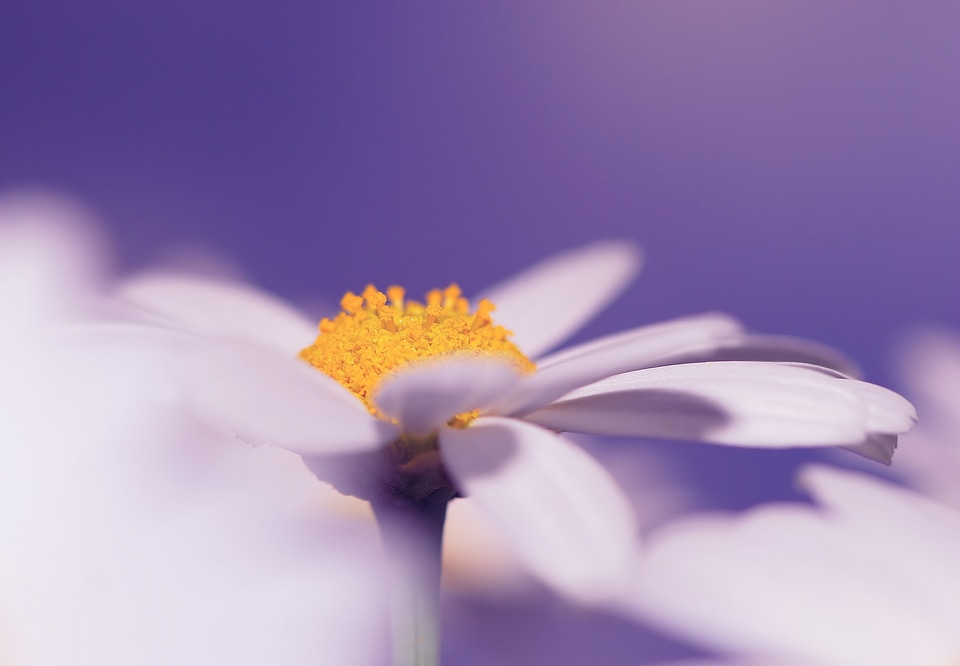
(377, 333)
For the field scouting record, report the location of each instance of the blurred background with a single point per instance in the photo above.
(796, 164)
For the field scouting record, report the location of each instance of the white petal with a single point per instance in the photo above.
(425, 396)
(221, 309)
(475, 558)
(562, 514)
(780, 348)
(549, 302)
(878, 447)
(899, 526)
(887, 411)
(906, 526)
(929, 365)
(867, 499)
(735, 402)
(133, 537)
(267, 398)
(51, 261)
(784, 581)
(652, 342)
(638, 348)
(874, 581)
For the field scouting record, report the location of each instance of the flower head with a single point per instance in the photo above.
(377, 334)
(420, 402)
(122, 545)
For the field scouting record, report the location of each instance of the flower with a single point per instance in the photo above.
(478, 420)
(871, 579)
(131, 536)
(930, 367)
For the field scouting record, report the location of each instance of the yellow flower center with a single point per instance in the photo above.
(377, 333)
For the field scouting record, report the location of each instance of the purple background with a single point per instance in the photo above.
(794, 163)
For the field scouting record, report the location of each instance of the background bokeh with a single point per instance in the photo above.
(794, 163)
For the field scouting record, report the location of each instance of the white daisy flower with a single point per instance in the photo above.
(869, 580)
(420, 401)
(132, 537)
(129, 535)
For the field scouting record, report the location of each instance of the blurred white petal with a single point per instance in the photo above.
(52, 259)
(552, 300)
(906, 526)
(132, 537)
(219, 308)
(558, 509)
(866, 583)
(267, 398)
(929, 364)
(737, 402)
(424, 396)
(476, 558)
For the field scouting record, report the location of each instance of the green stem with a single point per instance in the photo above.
(412, 540)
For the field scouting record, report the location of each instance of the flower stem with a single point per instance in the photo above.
(412, 539)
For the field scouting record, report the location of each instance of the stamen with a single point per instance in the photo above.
(482, 317)
(375, 299)
(433, 312)
(450, 296)
(351, 303)
(388, 318)
(369, 339)
(395, 294)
